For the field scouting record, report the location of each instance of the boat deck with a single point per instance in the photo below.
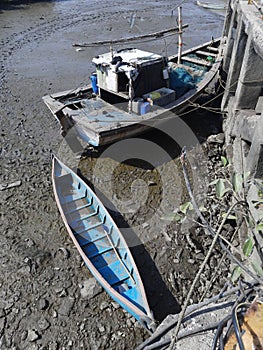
(100, 115)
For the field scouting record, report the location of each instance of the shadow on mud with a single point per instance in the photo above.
(160, 299)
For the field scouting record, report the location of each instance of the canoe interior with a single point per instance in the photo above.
(98, 237)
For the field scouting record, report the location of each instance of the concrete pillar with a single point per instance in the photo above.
(230, 39)
(250, 81)
(235, 62)
(254, 159)
(228, 17)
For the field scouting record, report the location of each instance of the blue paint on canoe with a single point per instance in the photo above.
(100, 242)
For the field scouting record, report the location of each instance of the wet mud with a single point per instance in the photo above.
(43, 300)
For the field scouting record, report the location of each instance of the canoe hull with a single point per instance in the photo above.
(100, 243)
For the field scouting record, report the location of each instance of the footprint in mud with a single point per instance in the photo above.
(34, 257)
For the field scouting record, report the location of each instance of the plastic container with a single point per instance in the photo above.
(136, 105)
(161, 97)
(145, 107)
(94, 85)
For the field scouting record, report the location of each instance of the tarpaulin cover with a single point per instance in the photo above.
(180, 80)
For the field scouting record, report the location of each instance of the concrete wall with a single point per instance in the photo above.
(243, 61)
(243, 97)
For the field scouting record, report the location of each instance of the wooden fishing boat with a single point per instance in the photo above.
(211, 5)
(133, 90)
(100, 242)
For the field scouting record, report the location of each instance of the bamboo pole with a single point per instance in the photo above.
(180, 41)
(123, 40)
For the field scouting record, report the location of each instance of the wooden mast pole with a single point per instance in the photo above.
(180, 41)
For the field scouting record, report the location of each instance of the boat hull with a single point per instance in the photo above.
(211, 5)
(100, 243)
(99, 123)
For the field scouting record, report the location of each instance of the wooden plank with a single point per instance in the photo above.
(196, 61)
(78, 231)
(92, 253)
(211, 48)
(70, 198)
(75, 209)
(206, 53)
(114, 272)
(85, 216)
(91, 236)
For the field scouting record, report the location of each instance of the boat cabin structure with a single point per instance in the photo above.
(131, 74)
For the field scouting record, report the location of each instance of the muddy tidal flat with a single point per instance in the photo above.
(48, 299)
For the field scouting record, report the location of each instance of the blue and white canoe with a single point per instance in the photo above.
(100, 243)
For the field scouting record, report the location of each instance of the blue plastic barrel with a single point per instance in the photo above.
(94, 85)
